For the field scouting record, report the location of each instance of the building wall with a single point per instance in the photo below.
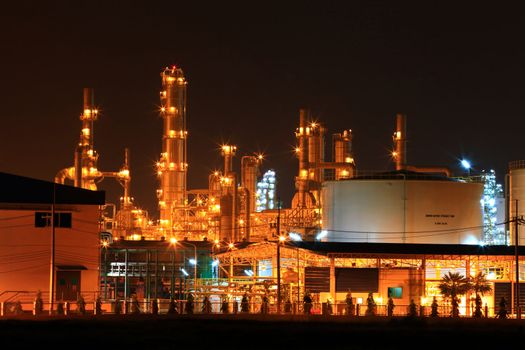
(397, 211)
(25, 251)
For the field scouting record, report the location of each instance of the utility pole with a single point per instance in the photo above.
(516, 245)
(278, 255)
(52, 262)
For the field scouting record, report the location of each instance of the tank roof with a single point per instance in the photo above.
(403, 175)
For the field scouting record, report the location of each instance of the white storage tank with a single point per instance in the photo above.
(403, 207)
(516, 192)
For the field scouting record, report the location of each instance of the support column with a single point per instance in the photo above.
(332, 279)
(468, 302)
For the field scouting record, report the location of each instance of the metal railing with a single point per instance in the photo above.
(181, 307)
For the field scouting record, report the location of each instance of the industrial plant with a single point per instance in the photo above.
(393, 234)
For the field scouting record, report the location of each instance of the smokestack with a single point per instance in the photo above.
(400, 142)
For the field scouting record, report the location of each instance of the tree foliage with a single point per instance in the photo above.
(434, 308)
(371, 306)
(452, 286)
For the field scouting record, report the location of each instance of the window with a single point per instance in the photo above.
(395, 292)
(43, 219)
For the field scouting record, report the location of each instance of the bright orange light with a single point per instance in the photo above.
(173, 240)
(231, 245)
(282, 238)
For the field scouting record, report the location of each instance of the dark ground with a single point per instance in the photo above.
(255, 332)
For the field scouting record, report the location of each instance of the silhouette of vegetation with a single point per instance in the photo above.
(390, 307)
(189, 304)
(307, 301)
(412, 309)
(452, 286)
(288, 306)
(245, 303)
(502, 312)
(135, 307)
(371, 306)
(60, 308)
(98, 306)
(350, 307)
(264, 304)
(172, 307)
(479, 285)
(81, 305)
(154, 307)
(39, 303)
(206, 305)
(434, 308)
(225, 306)
(118, 306)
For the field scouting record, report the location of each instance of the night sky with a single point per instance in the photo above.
(457, 71)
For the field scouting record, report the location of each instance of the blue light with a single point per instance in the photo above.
(192, 261)
(184, 272)
(295, 236)
(321, 235)
(465, 164)
(215, 263)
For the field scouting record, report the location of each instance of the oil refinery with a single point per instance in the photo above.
(388, 233)
(334, 201)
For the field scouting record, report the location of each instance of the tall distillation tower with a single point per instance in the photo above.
(172, 166)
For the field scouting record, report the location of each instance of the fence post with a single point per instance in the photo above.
(357, 309)
(2, 306)
(421, 311)
(66, 308)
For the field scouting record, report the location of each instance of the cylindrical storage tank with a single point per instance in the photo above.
(403, 209)
(516, 193)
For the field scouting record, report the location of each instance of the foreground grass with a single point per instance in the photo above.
(257, 332)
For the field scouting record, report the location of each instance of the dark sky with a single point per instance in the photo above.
(457, 71)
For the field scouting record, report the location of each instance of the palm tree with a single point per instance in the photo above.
(479, 285)
(452, 286)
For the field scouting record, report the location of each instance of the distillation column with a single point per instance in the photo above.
(301, 181)
(228, 230)
(249, 173)
(172, 166)
(400, 142)
(342, 153)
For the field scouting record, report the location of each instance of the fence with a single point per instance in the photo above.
(13, 308)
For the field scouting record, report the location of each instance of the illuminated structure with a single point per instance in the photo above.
(516, 199)
(128, 220)
(172, 166)
(305, 215)
(493, 230)
(266, 189)
(408, 205)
